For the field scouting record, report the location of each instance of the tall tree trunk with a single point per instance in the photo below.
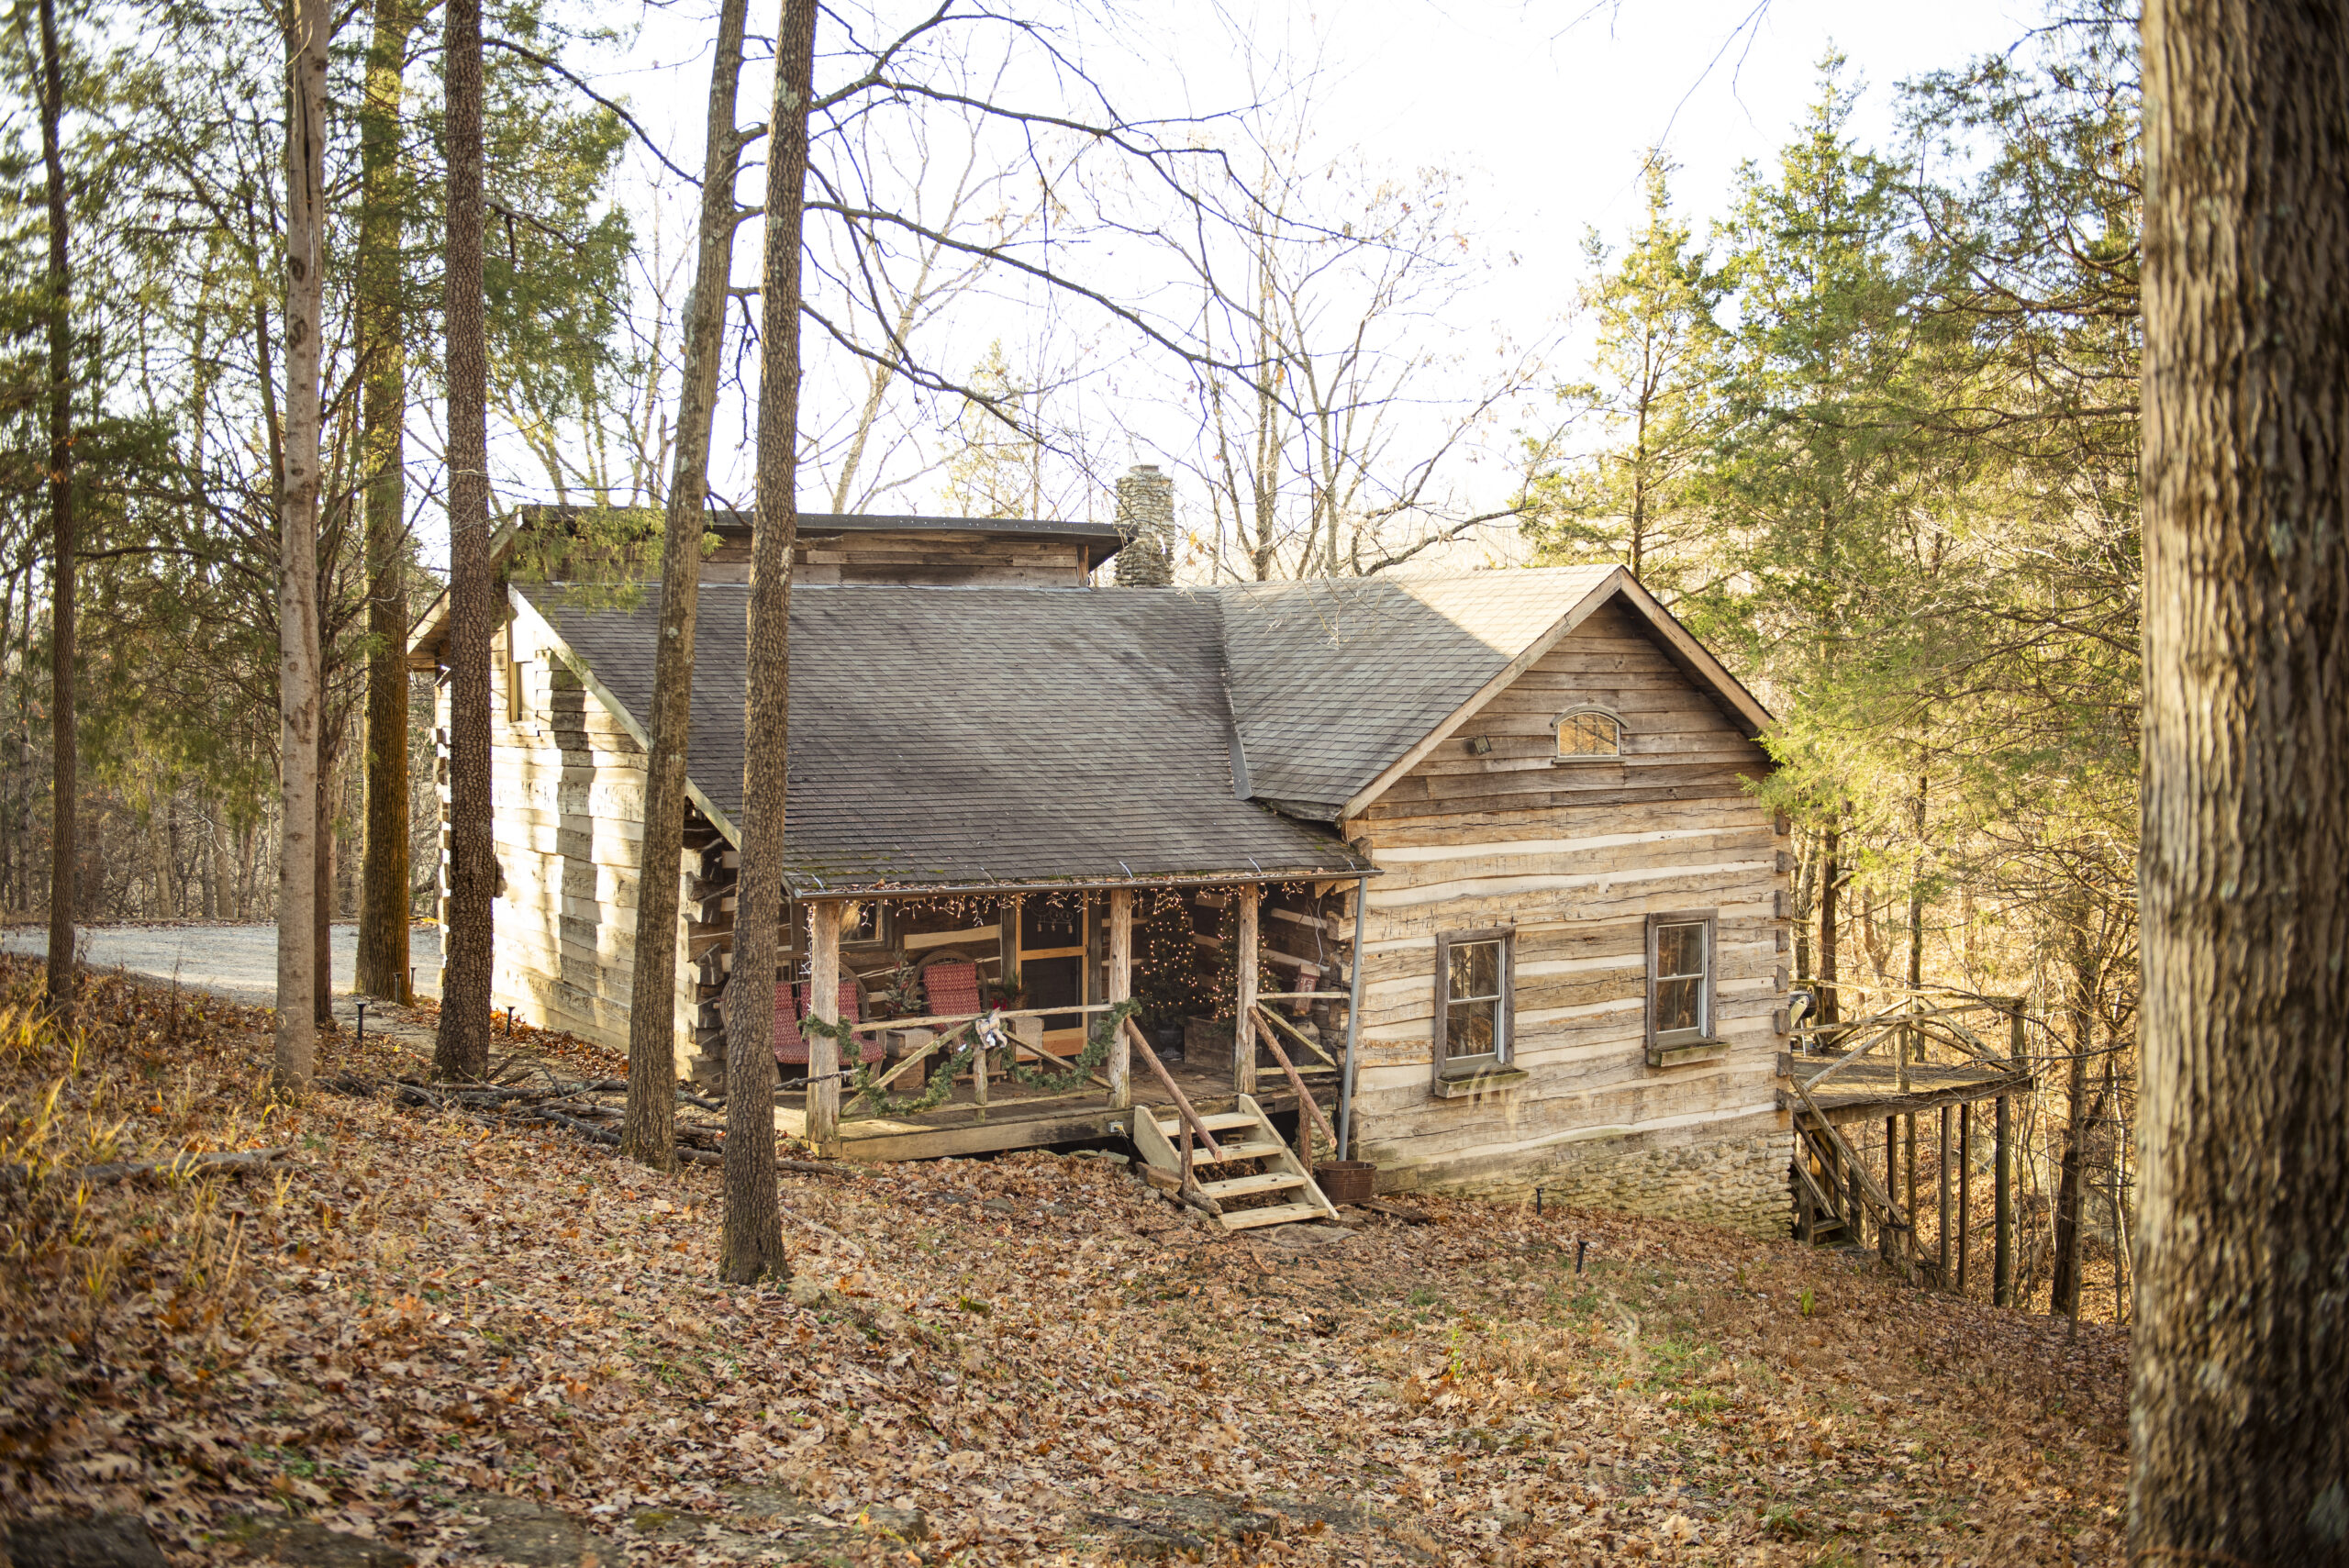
(383, 967)
(299, 706)
(1831, 872)
(461, 1050)
(2239, 1452)
(752, 1243)
(648, 1133)
(64, 745)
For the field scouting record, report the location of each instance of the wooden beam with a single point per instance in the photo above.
(824, 1003)
(1940, 1173)
(1121, 988)
(2002, 1267)
(1243, 1041)
(1964, 1189)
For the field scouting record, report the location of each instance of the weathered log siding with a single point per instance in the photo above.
(568, 785)
(1572, 857)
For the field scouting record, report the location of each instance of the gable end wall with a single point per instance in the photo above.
(1573, 858)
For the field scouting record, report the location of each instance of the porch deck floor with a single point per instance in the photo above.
(1870, 1088)
(1019, 1116)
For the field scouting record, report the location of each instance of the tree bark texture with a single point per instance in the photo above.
(300, 707)
(2241, 1351)
(648, 1133)
(1830, 1001)
(64, 742)
(383, 966)
(461, 1050)
(752, 1243)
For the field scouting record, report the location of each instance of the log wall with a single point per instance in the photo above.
(568, 782)
(1572, 857)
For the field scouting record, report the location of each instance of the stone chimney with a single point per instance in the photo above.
(1146, 517)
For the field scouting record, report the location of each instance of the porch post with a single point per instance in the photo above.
(824, 1002)
(1940, 1173)
(1121, 988)
(1965, 1190)
(1244, 1042)
(2002, 1262)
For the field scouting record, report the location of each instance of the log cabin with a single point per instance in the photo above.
(1463, 875)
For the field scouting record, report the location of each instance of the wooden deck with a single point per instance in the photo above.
(1016, 1116)
(1870, 1088)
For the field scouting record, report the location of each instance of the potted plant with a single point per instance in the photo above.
(1006, 992)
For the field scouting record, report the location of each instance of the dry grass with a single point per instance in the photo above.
(1045, 1359)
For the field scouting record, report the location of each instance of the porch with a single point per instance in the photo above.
(1928, 1055)
(929, 1028)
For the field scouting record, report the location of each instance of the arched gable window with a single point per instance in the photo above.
(1589, 731)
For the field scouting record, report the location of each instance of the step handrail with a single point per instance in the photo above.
(1182, 1101)
(1306, 1104)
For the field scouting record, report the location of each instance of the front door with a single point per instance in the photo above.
(1051, 966)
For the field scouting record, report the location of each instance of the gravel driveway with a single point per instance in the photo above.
(239, 961)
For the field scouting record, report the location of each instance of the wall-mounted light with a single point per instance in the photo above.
(1480, 745)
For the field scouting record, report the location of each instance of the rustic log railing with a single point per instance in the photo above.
(1848, 1198)
(1308, 1114)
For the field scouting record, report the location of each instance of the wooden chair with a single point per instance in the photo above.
(951, 988)
(791, 1005)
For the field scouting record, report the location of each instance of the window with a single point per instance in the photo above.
(864, 924)
(1589, 732)
(1471, 998)
(1680, 980)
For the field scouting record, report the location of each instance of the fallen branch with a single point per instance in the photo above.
(236, 1162)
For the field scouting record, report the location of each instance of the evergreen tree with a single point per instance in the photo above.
(1637, 501)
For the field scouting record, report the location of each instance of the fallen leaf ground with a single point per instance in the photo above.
(425, 1338)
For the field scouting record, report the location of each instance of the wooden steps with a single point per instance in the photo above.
(1159, 1135)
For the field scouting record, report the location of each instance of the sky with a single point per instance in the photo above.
(1540, 114)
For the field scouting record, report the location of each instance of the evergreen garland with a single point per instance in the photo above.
(864, 1081)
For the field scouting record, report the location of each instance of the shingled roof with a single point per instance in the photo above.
(1334, 679)
(975, 736)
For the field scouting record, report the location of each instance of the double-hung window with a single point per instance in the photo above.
(1680, 982)
(1473, 1017)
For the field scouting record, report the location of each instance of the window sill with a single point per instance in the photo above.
(1688, 1053)
(1586, 760)
(1477, 1082)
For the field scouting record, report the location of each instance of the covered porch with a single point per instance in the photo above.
(929, 1025)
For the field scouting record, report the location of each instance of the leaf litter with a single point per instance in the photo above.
(428, 1335)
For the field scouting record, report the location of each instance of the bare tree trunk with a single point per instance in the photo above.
(64, 744)
(2239, 1452)
(648, 1133)
(299, 705)
(461, 1050)
(752, 1243)
(384, 920)
(1830, 874)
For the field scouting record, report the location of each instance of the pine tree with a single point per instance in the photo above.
(1637, 501)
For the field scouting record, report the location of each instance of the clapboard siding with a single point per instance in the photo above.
(1571, 858)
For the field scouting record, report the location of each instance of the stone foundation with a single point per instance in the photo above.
(1737, 1181)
